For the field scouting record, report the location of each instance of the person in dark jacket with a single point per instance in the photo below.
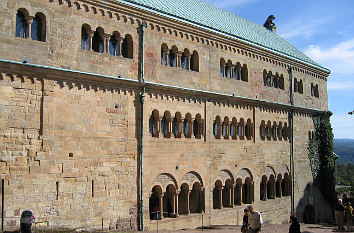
(295, 226)
(244, 228)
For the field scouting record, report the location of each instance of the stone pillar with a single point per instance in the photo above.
(29, 21)
(176, 201)
(279, 187)
(220, 197)
(188, 209)
(173, 203)
(161, 205)
(232, 196)
(240, 193)
(202, 199)
(106, 38)
(178, 56)
(91, 34)
(120, 41)
(188, 62)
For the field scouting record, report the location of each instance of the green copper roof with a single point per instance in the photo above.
(206, 15)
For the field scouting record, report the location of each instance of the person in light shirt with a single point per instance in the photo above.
(254, 220)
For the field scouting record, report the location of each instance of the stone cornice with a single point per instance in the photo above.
(66, 75)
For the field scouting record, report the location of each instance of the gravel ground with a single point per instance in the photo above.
(282, 228)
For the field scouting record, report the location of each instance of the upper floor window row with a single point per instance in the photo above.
(100, 42)
(298, 86)
(232, 129)
(184, 59)
(275, 131)
(314, 90)
(33, 27)
(235, 71)
(176, 126)
(270, 80)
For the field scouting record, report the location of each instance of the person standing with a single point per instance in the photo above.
(349, 214)
(339, 214)
(295, 226)
(254, 220)
(244, 228)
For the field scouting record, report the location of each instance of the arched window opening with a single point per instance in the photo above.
(217, 127)
(21, 25)
(228, 69)
(217, 195)
(155, 203)
(281, 82)
(237, 71)
(268, 130)
(198, 127)
(249, 129)
(278, 186)
(194, 61)
(154, 123)
(196, 199)
(169, 209)
(227, 194)
(240, 129)
(296, 85)
(233, 128)
(275, 81)
(244, 73)
(262, 130)
(238, 192)
(183, 199)
(225, 128)
(279, 131)
(265, 74)
(247, 190)
(172, 57)
(177, 125)
(222, 67)
(97, 42)
(127, 47)
(285, 131)
(301, 87)
(263, 189)
(85, 39)
(165, 125)
(271, 187)
(114, 45)
(286, 185)
(185, 59)
(38, 27)
(274, 131)
(187, 127)
(164, 51)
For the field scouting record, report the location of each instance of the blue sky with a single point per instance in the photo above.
(323, 30)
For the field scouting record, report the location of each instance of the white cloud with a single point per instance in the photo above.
(226, 4)
(297, 28)
(343, 126)
(339, 58)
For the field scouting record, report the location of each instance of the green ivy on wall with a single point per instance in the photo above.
(321, 156)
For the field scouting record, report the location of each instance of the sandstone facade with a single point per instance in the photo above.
(70, 120)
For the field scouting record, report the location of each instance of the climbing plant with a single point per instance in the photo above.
(321, 155)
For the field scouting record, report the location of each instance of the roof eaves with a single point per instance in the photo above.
(223, 33)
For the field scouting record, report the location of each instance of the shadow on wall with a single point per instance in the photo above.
(312, 207)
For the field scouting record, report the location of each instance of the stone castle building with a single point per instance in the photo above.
(116, 112)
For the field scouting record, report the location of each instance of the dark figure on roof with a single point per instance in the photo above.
(269, 23)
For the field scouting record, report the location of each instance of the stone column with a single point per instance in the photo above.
(188, 62)
(161, 205)
(232, 196)
(120, 41)
(106, 42)
(178, 56)
(188, 209)
(29, 21)
(91, 34)
(173, 203)
(240, 194)
(202, 199)
(220, 197)
(176, 201)
(279, 186)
